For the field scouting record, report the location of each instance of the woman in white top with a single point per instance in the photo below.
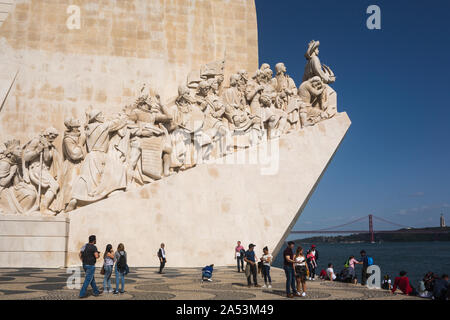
(266, 260)
(300, 268)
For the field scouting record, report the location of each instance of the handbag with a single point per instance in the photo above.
(102, 271)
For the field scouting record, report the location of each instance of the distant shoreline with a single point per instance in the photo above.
(400, 235)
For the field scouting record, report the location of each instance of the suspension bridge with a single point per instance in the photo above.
(370, 218)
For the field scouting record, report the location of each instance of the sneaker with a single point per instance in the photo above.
(269, 286)
(297, 294)
(115, 292)
(313, 279)
(121, 292)
(289, 295)
(210, 280)
(303, 294)
(264, 286)
(257, 286)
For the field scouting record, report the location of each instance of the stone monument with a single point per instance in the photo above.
(198, 157)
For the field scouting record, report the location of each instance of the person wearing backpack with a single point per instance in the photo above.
(366, 262)
(89, 255)
(121, 268)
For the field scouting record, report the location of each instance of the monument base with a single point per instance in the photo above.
(200, 214)
(33, 241)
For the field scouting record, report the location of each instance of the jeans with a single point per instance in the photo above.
(120, 277)
(89, 280)
(364, 276)
(254, 273)
(240, 263)
(290, 279)
(312, 270)
(266, 274)
(107, 278)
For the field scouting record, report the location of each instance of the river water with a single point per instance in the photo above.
(416, 258)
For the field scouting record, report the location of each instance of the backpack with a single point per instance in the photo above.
(347, 264)
(369, 261)
(242, 253)
(121, 263)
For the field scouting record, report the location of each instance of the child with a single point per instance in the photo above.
(386, 284)
(207, 273)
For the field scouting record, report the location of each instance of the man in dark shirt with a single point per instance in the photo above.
(251, 264)
(89, 255)
(288, 266)
(364, 267)
(162, 258)
(440, 289)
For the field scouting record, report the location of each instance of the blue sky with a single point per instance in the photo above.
(394, 85)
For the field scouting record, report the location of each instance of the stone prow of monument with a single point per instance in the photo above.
(200, 214)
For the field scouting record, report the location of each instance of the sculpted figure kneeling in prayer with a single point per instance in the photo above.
(311, 94)
(16, 196)
(41, 165)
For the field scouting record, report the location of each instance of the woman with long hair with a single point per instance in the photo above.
(108, 263)
(120, 259)
(300, 268)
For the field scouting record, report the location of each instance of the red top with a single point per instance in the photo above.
(403, 284)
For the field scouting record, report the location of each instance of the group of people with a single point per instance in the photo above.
(431, 286)
(348, 273)
(113, 260)
(298, 267)
(148, 139)
(254, 265)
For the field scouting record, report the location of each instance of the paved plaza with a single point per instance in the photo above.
(146, 283)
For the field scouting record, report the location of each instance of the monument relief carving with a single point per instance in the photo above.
(150, 140)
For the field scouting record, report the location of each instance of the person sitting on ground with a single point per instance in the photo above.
(330, 272)
(423, 292)
(441, 288)
(323, 274)
(387, 283)
(402, 282)
(207, 273)
(428, 280)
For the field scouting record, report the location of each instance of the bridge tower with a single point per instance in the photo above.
(372, 238)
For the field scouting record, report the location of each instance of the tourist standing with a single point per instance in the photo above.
(314, 261)
(312, 265)
(239, 253)
(250, 268)
(162, 258)
(402, 282)
(120, 258)
(89, 255)
(266, 260)
(365, 263)
(300, 270)
(108, 263)
(351, 265)
(288, 266)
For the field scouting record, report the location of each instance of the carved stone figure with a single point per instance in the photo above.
(41, 163)
(315, 68)
(100, 174)
(155, 118)
(273, 118)
(241, 123)
(311, 94)
(73, 152)
(16, 196)
(214, 109)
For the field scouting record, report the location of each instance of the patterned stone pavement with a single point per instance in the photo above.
(178, 284)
